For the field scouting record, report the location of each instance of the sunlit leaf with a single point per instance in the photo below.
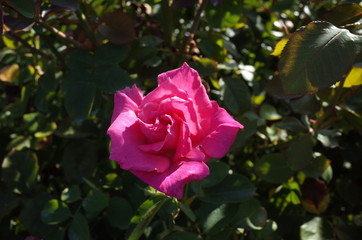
(313, 57)
(9, 73)
(354, 78)
(279, 47)
(55, 212)
(318, 228)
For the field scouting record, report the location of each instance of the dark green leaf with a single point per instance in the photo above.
(218, 171)
(25, 7)
(146, 219)
(317, 56)
(291, 124)
(30, 215)
(219, 218)
(273, 168)
(119, 213)
(109, 54)
(55, 212)
(78, 100)
(79, 60)
(183, 236)
(70, 4)
(257, 220)
(233, 188)
(19, 169)
(188, 211)
(79, 229)
(236, 96)
(112, 78)
(79, 158)
(344, 14)
(307, 104)
(47, 81)
(317, 167)
(95, 201)
(300, 152)
(7, 203)
(71, 194)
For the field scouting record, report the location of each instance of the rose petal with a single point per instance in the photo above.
(222, 133)
(126, 100)
(188, 80)
(173, 180)
(125, 136)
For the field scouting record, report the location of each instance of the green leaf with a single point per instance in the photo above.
(183, 236)
(317, 228)
(225, 15)
(317, 56)
(111, 78)
(55, 212)
(48, 81)
(78, 160)
(30, 215)
(78, 100)
(146, 219)
(204, 66)
(79, 229)
(300, 152)
(187, 211)
(7, 203)
(291, 124)
(109, 54)
(273, 168)
(317, 167)
(307, 104)
(119, 213)
(70, 4)
(95, 201)
(257, 220)
(71, 194)
(19, 170)
(25, 7)
(269, 112)
(344, 14)
(233, 188)
(218, 171)
(219, 218)
(236, 96)
(79, 60)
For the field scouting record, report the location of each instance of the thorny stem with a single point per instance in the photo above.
(26, 44)
(195, 25)
(84, 23)
(60, 34)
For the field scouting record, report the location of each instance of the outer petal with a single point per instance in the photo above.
(125, 136)
(125, 100)
(173, 180)
(222, 132)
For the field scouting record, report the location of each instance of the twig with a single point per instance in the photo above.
(195, 25)
(26, 44)
(60, 34)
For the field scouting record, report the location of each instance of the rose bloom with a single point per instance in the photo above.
(166, 137)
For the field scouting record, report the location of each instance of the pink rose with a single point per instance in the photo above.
(165, 137)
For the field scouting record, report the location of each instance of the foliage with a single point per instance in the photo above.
(293, 173)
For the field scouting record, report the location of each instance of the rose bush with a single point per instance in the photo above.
(165, 137)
